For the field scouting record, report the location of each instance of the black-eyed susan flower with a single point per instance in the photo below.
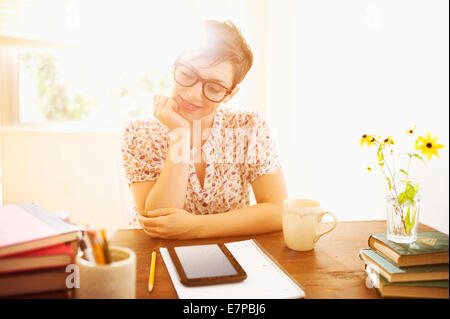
(368, 139)
(428, 145)
(388, 140)
(411, 131)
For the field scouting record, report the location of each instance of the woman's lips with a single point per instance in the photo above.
(188, 106)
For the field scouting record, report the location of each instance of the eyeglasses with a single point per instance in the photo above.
(187, 77)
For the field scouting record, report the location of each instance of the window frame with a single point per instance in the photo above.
(9, 86)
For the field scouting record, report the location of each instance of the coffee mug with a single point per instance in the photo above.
(301, 223)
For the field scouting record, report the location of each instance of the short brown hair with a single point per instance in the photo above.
(225, 42)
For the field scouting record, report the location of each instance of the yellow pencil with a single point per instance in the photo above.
(151, 278)
(105, 247)
(96, 247)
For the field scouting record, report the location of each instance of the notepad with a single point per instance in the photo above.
(265, 279)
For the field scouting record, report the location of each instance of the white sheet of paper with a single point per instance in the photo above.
(265, 280)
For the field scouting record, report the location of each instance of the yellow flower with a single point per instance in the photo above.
(368, 139)
(428, 145)
(411, 130)
(369, 169)
(388, 140)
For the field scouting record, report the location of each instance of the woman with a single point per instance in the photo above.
(205, 194)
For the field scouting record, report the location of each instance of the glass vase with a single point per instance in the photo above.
(403, 206)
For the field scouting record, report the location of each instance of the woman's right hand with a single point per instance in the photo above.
(165, 110)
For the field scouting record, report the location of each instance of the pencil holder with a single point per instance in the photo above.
(116, 280)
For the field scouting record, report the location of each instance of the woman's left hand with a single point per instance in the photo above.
(170, 223)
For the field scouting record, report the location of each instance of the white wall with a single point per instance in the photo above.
(80, 172)
(373, 67)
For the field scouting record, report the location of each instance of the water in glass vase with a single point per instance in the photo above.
(402, 207)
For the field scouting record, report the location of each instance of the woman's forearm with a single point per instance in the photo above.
(170, 188)
(260, 218)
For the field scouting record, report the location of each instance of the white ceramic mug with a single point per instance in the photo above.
(116, 280)
(301, 223)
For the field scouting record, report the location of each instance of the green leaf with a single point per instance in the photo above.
(407, 223)
(418, 156)
(380, 156)
(402, 198)
(416, 188)
(408, 195)
(404, 172)
(389, 183)
(410, 191)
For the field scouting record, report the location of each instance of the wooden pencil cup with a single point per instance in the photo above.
(116, 280)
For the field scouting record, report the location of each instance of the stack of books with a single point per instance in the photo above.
(36, 245)
(417, 270)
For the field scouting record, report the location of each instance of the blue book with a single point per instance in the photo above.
(392, 273)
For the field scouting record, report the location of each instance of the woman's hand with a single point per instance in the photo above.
(170, 223)
(165, 110)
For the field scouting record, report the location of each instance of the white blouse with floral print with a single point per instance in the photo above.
(238, 149)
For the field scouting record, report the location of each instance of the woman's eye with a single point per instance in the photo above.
(213, 89)
(188, 75)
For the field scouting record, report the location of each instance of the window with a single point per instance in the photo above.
(102, 86)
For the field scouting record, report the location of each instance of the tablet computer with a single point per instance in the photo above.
(199, 265)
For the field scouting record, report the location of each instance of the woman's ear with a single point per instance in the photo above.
(230, 96)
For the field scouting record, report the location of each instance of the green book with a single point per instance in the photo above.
(421, 289)
(393, 273)
(429, 248)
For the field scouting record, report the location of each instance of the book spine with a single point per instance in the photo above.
(369, 241)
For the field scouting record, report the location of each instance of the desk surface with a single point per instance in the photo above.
(332, 270)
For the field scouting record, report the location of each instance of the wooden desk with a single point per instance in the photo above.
(333, 270)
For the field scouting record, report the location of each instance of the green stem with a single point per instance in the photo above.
(409, 163)
(398, 208)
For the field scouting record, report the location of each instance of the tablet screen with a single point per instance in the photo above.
(204, 261)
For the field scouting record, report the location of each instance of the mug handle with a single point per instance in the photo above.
(328, 230)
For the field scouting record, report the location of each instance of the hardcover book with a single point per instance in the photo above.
(429, 248)
(393, 273)
(437, 289)
(29, 226)
(48, 257)
(33, 282)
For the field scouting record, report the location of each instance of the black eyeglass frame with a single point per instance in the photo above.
(199, 78)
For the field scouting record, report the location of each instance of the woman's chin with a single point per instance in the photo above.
(189, 116)
(194, 116)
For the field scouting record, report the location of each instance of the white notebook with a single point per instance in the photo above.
(265, 280)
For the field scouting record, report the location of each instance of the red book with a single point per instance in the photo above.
(48, 257)
(29, 226)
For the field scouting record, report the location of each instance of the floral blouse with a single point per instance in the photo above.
(238, 150)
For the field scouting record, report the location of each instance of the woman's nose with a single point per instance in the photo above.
(195, 92)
